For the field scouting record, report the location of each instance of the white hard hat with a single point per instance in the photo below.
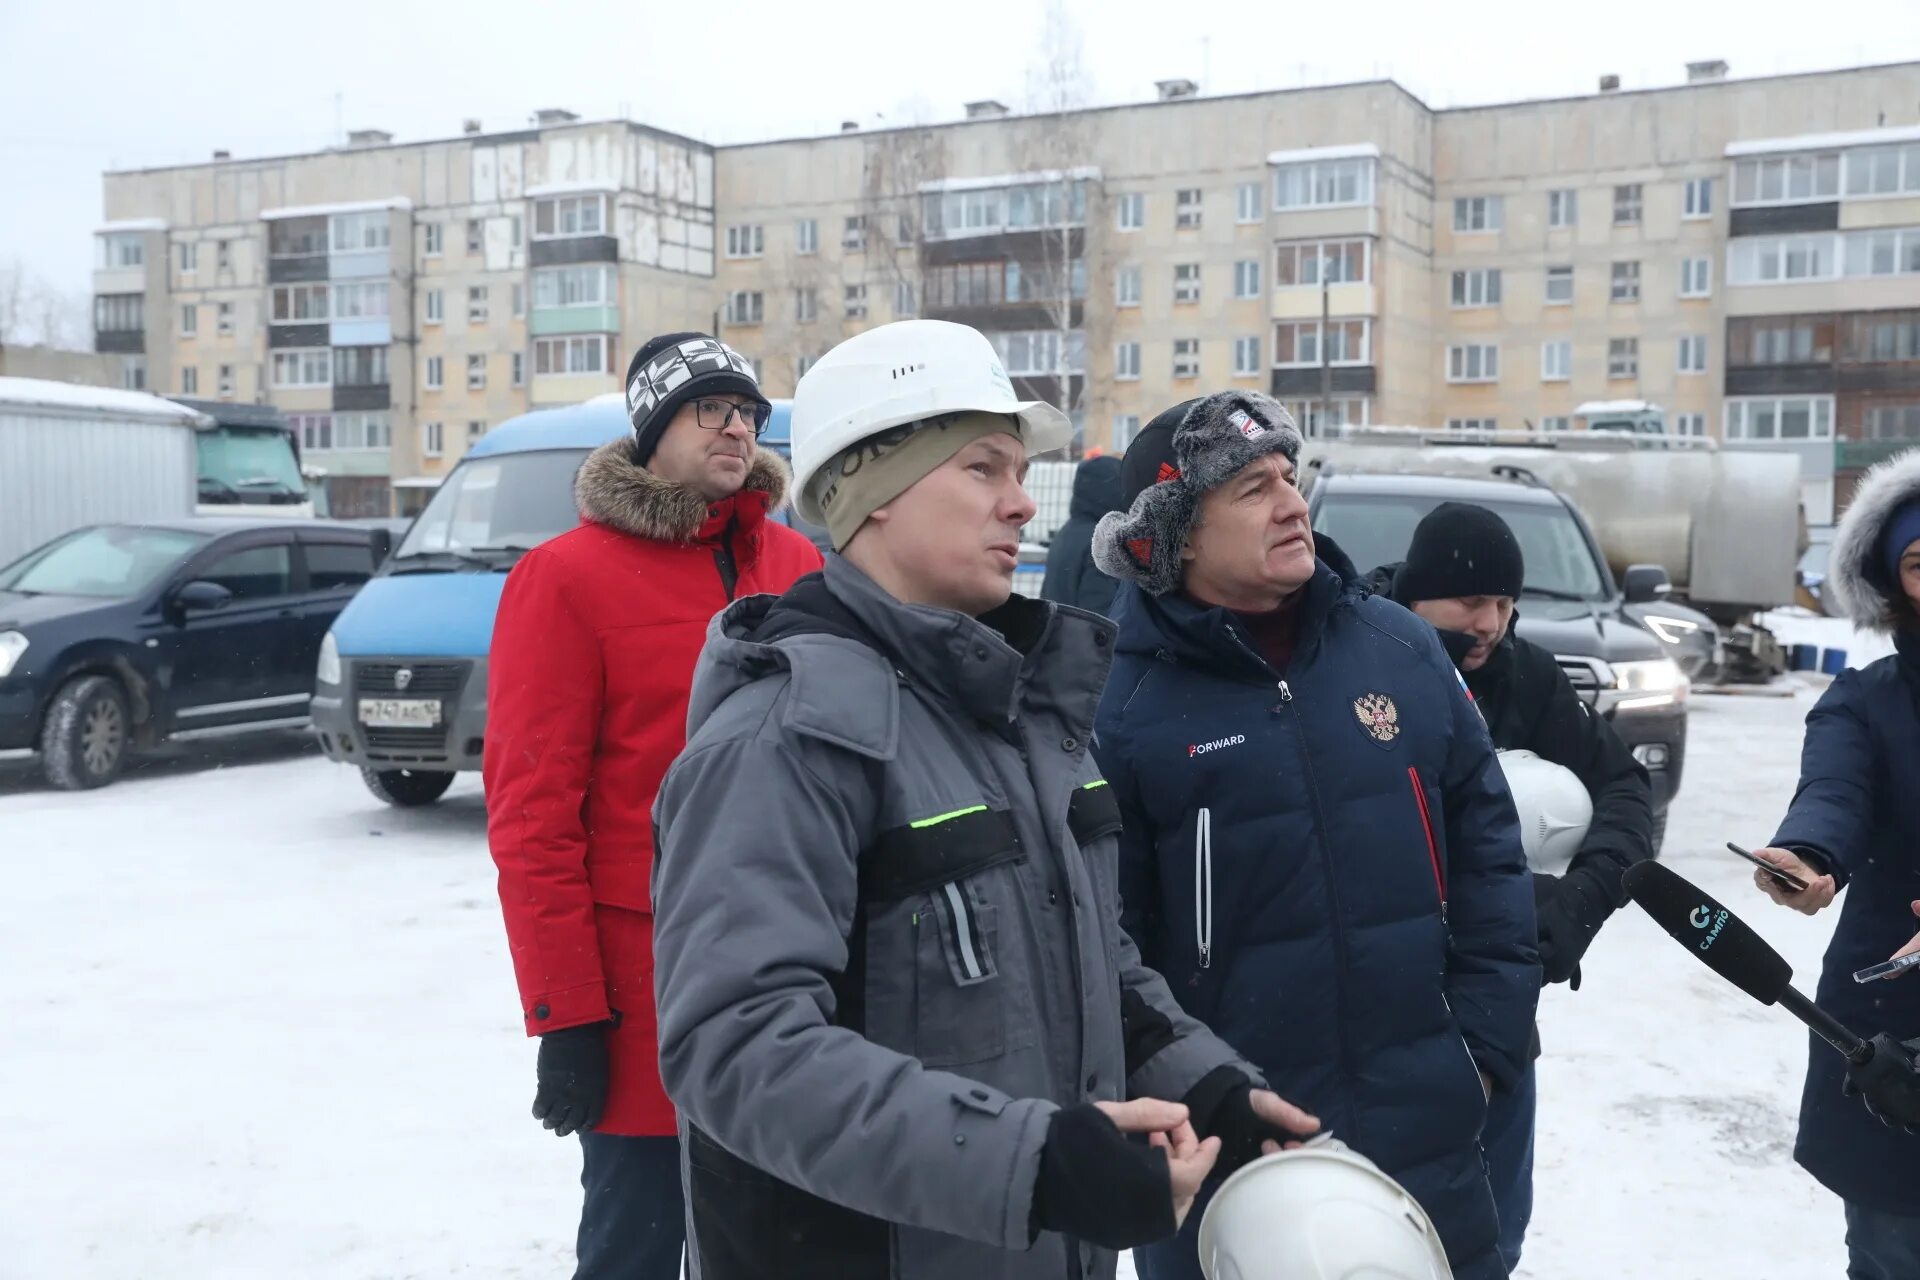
(1318, 1212)
(900, 373)
(1554, 807)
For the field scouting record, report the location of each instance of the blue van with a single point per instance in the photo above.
(401, 684)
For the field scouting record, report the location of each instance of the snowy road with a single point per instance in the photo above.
(258, 1024)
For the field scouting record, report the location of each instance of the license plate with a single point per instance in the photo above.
(400, 713)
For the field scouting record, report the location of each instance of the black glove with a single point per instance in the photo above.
(1221, 1106)
(572, 1078)
(1098, 1185)
(1571, 909)
(1889, 1083)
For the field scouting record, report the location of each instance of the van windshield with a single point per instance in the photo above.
(498, 507)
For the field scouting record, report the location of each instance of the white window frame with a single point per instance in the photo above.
(365, 232)
(189, 258)
(568, 218)
(1563, 209)
(433, 440)
(1125, 427)
(292, 367)
(432, 239)
(361, 300)
(1186, 358)
(1623, 287)
(1246, 278)
(747, 240)
(572, 355)
(1636, 204)
(1186, 283)
(1906, 171)
(1473, 362)
(1696, 277)
(1320, 254)
(1739, 413)
(478, 306)
(1317, 178)
(1473, 424)
(585, 285)
(1126, 362)
(368, 430)
(1697, 203)
(806, 237)
(476, 235)
(292, 293)
(315, 429)
(746, 307)
(434, 304)
(226, 382)
(1189, 205)
(519, 300)
(1127, 283)
(519, 369)
(1556, 422)
(1750, 176)
(434, 378)
(806, 305)
(1747, 257)
(1309, 333)
(1478, 215)
(1562, 271)
(1130, 211)
(853, 234)
(189, 380)
(1475, 288)
(1690, 354)
(853, 301)
(1623, 359)
(189, 320)
(1556, 360)
(223, 319)
(1247, 208)
(122, 251)
(904, 303)
(477, 371)
(1692, 425)
(1246, 356)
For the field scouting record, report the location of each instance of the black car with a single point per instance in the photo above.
(116, 637)
(1626, 650)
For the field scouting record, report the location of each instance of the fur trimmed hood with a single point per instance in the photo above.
(614, 490)
(1854, 572)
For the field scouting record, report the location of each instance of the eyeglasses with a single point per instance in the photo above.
(716, 415)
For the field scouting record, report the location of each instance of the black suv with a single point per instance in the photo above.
(121, 636)
(1627, 651)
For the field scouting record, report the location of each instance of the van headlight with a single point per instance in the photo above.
(12, 645)
(1656, 682)
(328, 671)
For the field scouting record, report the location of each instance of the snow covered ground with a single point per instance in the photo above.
(257, 1024)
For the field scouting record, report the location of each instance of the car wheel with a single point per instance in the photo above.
(84, 742)
(407, 788)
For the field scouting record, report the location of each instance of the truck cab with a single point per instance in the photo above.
(248, 462)
(1571, 604)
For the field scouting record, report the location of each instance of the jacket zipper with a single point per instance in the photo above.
(1433, 847)
(1203, 886)
(724, 562)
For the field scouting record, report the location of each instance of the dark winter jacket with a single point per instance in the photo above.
(1071, 575)
(1326, 866)
(1854, 815)
(888, 937)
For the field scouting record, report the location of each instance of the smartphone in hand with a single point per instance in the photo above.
(1787, 878)
(1887, 968)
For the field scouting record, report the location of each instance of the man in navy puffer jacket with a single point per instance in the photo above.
(1320, 854)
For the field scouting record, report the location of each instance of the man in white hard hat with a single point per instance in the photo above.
(1463, 573)
(903, 1027)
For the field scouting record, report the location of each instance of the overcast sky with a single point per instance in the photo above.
(85, 87)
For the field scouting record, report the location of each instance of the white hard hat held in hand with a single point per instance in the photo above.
(900, 373)
(1321, 1211)
(1554, 807)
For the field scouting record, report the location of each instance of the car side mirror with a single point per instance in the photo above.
(1645, 583)
(381, 541)
(202, 595)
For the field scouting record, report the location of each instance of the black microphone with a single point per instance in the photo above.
(1728, 946)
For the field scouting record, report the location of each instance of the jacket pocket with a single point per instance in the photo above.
(1203, 887)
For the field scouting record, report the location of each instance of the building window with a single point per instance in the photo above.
(1186, 357)
(581, 353)
(806, 306)
(1776, 340)
(806, 237)
(1299, 262)
(366, 301)
(119, 313)
(519, 368)
(133, 373)
(1125, 427)
(1480, 288)
(1626, 282)
(1690, 424)
(435, 306)
(1246, 279)
(189, 321)
(362, 431)
(748, 241)
(1626, 205)
(315, 431)
(1882, 337)
(1130, 211)
(1795, 179)
(360, 366)
(1473, 362)
(1559, 422)
(303, 367)
(1692, 354)
(1478, 213)
(477, 372)
(1696, 277)
(853, 238)
(120, 252)
(475, 429)
(1559, 286)
(431, 240)
(1780, 418)
(1246, 357)
(1296, 343)
(1777, 259)
(226, 382)
(1699, 198)
(903, 306)
(1556, 361)
(1323, 183)
(223, 319)
(1186, 282)
(1473, 424)
(476, 304)
(222, 256)
(190, 381)
(745, 306)
(1623, 357)
(1891, 422)
(519, 300)
(189, 259)
(951, 215)
(1883, 171)
(1186, 209)
(300, 304)
(361, 232)
(1126, 287)
(1247, 203)
(854, 301)
(436, 377)
(476, 235)
(297, 238)
(1563, 208)
(1041, 353)
(564, 217)
(1339, 411)
(516, 230)
(555, 287)
(433, 440)
(1126, 362)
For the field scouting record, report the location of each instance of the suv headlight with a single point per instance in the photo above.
(1653, 683)
(12, 645)
(328, 671)
(1671, 630)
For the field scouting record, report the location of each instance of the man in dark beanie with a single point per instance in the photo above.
(589, 674)
(1464, 573)
(1318, 850)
